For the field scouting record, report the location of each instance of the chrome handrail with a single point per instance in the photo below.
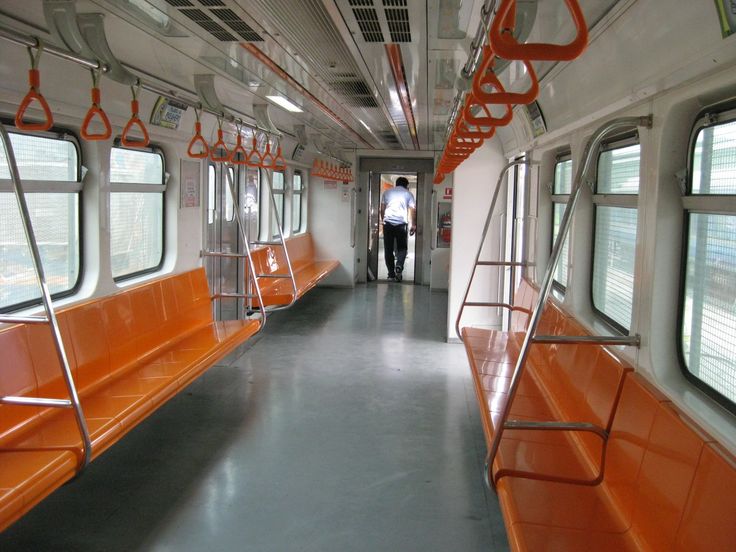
(244, 236)
(588, 156)
(48, 306)
(486, 226)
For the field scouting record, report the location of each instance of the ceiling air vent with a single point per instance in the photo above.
(210, 3)
(388, 137)
(367, 19)
(231, 19)
(180, 3)
(355, 93)
(204, 21)
(397, 17)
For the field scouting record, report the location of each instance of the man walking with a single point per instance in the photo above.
(398, 213)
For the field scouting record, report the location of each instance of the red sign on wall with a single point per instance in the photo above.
(448, 193)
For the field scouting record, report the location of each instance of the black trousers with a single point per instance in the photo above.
(398, 234)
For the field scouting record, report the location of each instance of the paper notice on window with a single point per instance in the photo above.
(190, 176)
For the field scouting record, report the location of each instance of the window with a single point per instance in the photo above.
(561, 189)
(136, 211)
(614, 240)
(229, 204)
(211, 207)
(249, 201)
(708, 307)
(49, 169)
(277, 185)
(296, 203)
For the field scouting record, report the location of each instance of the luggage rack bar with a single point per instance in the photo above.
(277, 276)
(633, 340)
(223, 254)
(73, 402)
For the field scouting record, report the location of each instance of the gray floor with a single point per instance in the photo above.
(347, 426)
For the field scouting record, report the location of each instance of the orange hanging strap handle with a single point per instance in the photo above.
(96, 111)
(279, 163)
(254, 159)
(267, 161)
(134, 121)
(479, 80)
(198, 140)
(34, 80)
(506, 46)
(489, 119)
(239, 155)
(219, 145)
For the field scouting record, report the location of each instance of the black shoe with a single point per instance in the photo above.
(398, 274)
(391, 276)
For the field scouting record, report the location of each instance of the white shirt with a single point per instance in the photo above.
(397, 201)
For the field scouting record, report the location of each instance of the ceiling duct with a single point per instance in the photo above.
(211, 15)
(397, 18)
(367, 18)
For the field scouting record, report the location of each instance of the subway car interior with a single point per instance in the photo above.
(368, 275)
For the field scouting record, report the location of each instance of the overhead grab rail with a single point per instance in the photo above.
(73, 402)
(531, 336)
(34, 43)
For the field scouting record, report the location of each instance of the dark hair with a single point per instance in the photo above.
(403, 182)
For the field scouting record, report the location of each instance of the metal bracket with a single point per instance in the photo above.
(204, 85)
(62, 20)
(263, 117)
(681, 177)
(92, 27)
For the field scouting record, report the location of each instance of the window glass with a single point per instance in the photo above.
(55, 219)
(229, 205)
(613, 263)
(210, 194)
(40, 158)
(563, 177)
(136, 218)
(560, 275)
(278, 196)
(618, 171)
(136, 167)
(136, 239)
(296, 206)
(714, 160)
(250, 193)
(709, 310)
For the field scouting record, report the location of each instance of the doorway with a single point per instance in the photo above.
(379, 183)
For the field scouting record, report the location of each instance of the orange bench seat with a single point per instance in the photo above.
(129, 353)
(308, 271)
(667, 486)
(561, 382)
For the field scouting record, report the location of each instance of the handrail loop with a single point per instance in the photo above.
(219, 146)
(198, 139)
(254, 159)
(239, 155)
(507, 47)
(134, 121)
(96, 110)
(34, 94)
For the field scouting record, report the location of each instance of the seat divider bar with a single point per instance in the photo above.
(545, 287)
(36, 401)
(48, 305)
(9, 319)
(486, 226)
(557, 426)
(633, 340)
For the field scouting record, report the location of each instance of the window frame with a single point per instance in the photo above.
(559, 199)
(627, 201)
(725, 204)
(124, 187)
(52, 186)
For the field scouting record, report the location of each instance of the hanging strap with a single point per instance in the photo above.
(96, 111)
(34, 95)
(198, 140)
(134, 121)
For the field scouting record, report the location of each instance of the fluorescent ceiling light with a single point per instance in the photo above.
(365, 125)
(286, 104)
